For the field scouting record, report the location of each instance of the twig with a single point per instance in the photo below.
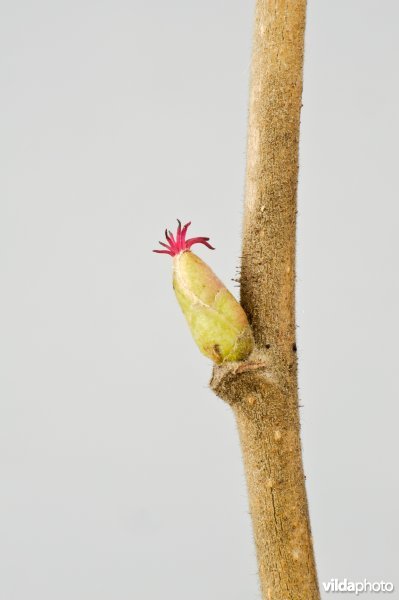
(263, 390)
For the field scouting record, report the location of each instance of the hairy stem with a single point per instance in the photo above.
(263, 390)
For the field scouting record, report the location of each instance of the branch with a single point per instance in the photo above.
(263, 389)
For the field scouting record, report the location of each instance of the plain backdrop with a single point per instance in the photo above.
(120, 472)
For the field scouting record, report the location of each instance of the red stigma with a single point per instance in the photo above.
(180, 244)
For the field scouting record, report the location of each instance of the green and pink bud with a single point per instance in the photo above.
(217, 321)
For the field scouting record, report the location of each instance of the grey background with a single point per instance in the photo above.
(120, 472)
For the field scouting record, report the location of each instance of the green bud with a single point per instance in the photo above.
(217, 321)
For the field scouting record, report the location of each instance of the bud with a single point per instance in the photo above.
(217, 321)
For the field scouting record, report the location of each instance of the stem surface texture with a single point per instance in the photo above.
(263, 390)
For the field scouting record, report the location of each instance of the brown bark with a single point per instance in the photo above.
(263, 390)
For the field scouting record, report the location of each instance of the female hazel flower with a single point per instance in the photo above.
(217, 321)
